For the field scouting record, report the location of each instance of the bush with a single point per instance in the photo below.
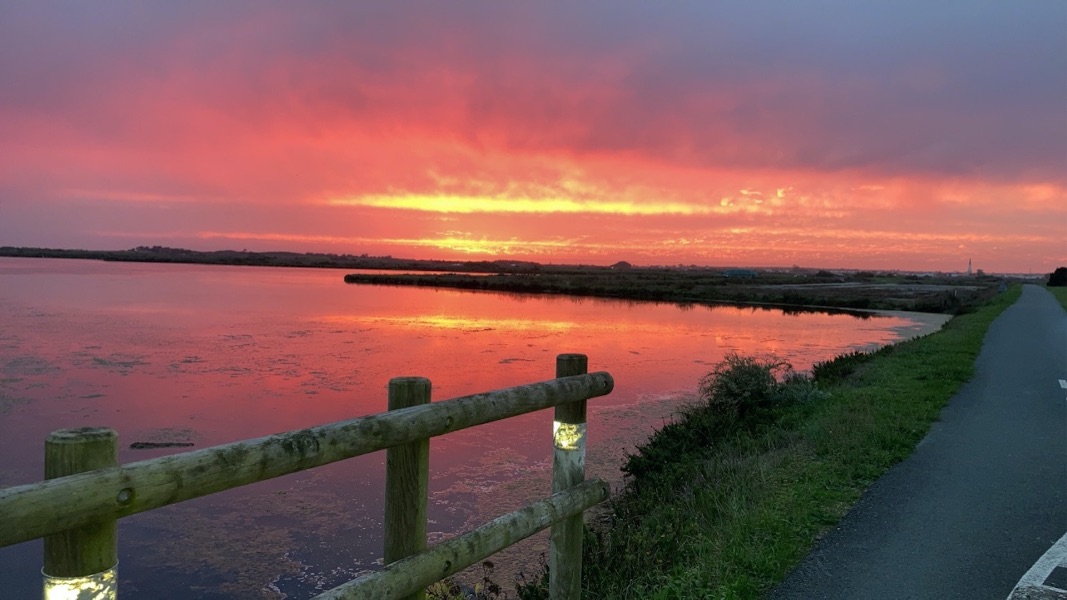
(740, 394)
(741, 388)
(1058, 278)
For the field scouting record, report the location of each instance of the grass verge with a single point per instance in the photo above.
(728, 518)
(1060, 293)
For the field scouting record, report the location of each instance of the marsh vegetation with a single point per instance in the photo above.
(709, 286)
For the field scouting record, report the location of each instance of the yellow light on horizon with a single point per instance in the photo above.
(493, 247)
(445, 203)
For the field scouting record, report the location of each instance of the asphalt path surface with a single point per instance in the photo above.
(984, 495)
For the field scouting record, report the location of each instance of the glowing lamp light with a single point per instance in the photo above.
(568, 436)
(99, 586)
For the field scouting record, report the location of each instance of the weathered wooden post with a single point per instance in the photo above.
(81, 563)
(568, 470)
(407, 475)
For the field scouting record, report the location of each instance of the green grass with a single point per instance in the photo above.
(1060, 293)
(729, 520)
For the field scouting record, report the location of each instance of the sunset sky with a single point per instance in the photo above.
(898, 134)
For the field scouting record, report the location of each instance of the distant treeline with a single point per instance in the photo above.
(163, 254)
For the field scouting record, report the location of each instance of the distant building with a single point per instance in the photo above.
(740, 273)
(968, 267)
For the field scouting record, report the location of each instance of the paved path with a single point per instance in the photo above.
(984, 495)
(1047, 579)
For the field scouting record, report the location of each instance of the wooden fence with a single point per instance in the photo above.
(85, 489)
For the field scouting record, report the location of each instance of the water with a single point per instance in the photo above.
(208, 355)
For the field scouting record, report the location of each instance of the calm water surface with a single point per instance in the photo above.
(209, 355)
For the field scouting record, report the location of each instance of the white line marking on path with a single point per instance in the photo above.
(1036, 576)
(1063, 383)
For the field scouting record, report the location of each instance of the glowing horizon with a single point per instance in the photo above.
(542, 133)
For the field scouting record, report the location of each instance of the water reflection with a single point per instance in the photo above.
(212, 354)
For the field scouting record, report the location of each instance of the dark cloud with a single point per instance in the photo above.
(970, 89)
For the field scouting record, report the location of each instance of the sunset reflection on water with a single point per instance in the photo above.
(208, 355)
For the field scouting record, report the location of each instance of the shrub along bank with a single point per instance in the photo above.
(724, 501)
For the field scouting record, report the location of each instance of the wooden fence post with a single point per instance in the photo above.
(568, 470)
(407, 474)
(81, 563)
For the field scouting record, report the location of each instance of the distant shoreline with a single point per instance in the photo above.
(788, 289)
(801, 289)
(245, 258)
(857, 294)
(164, 254)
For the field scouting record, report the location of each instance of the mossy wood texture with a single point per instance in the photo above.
(91, 548)
(36, 510)
(568, 470)
(407, 476)
(418, 571)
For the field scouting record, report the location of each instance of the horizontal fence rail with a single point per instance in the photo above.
(413, 573)
(49, 507)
